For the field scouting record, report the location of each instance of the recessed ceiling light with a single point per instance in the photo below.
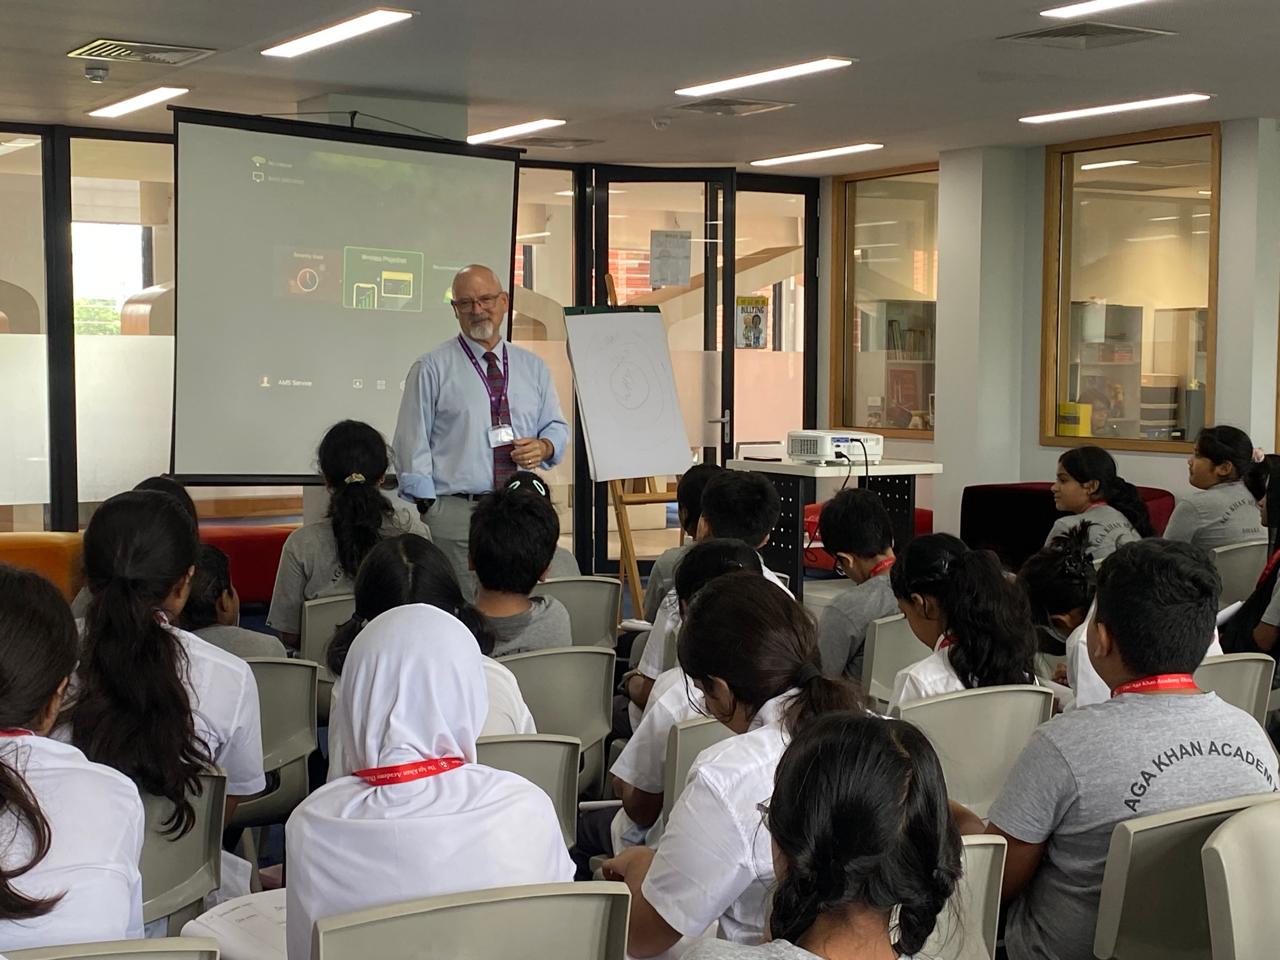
(336, 33)
(1199, 233)
(1115, 108)
(818, 154)
(569, 193)
(517, 130)
(765, 76)
(17, 143)
(1088, 8)
(150, 98)
(1163, 219)
(1205, 193)
(1104, 164)
(1199, 216)
(533, 236)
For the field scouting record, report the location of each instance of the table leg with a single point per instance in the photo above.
(784, 553)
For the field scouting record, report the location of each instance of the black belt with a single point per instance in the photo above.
(473, 497)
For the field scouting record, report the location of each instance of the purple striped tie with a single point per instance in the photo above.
(500, 413)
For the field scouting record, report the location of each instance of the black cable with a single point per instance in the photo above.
(352, 115)
(841, 455)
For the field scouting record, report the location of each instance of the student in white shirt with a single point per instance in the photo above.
(155, 702)
(751, 650)
(419, 817)
(1088, 488)
(860, 827)
(406, 570)
(1221, 510)
(959, 603)
(321, 559)
(71, 830)
(1255, 626)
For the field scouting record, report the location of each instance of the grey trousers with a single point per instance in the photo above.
(449, 521)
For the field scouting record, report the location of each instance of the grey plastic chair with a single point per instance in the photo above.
(593, 603)
(685, 741)
(979, 735)
(569, 691)
(1153, 895)
(168, 948)
(545, 760)
(1239, 565)
(967, 928)
(320, 618)
(1241, 679)
(1241, 862)
(567, 921)
(890, 647)
(177, 872)
(287, 703)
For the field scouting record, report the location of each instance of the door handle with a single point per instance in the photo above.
(724, 420)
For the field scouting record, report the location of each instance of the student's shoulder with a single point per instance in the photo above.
(869, 600)
(552, 609)
(741, 758)
(204, 656)
(309, 536)
(75, 772)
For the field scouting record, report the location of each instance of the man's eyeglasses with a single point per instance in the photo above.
(470, 303)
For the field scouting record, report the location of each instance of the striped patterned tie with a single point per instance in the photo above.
(500, 413)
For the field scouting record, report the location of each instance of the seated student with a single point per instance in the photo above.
(157, 703)
(856, 530)
(1221, 511)
(1255, 626)
(406, 570)
(65, 879)
(562, 564)
(860, 828)
(736, 505)
(688, 509)
(1060, 581)
(419, 817)
(321, 559)
(1088, 488)
(212, 611)
(1158, 744)
(960, 604)
(513, 539)
(751, 651)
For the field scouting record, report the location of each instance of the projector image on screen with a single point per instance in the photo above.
(377, 279)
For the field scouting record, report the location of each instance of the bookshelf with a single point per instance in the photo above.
(896, 363)
(1105, 363)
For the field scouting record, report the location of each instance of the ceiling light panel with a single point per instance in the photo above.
(1088, 8)
(766, 76)
(1110, 108)
(338, 32)
(517, 130)
(1105, 164)
(142, 100)
(818, 154)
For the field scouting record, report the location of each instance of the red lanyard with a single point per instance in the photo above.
(1270, 568)
(1095, 505)
(1161, 683)
(881, 567)
(16, 732)
(948, 639)
(493, 401)
(404, 772)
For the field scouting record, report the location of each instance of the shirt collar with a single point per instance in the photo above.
(478, 349)
(771, 711)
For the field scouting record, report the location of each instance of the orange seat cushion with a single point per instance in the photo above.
(55, 556)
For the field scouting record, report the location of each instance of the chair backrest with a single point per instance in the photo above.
(593, 604)
(1153, 899)
(547, 761)
(967, 928)
(1241, 875)
(320, 618)
(287, 704)
(178, 872)
(1239, 565)
(166, 948)
(568, 921)
(890, 646)
(1241, 679)
(569, 690)
(979, 734)
(685, 741)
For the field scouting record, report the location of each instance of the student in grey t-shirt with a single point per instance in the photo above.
(856, 530)
(1088, 488)
(212, 611)
(513, 540)
(1221, 511)
(1159, 744)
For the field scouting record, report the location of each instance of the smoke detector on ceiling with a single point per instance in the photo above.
(733, 106)
(134, 51)
(1087, 35)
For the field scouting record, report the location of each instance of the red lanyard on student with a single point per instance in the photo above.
(405, 772)
(1161, 683)
(1269, 568)
(494, 402)
(881, 567)
(1095, 505)
(16, 732)
(948, 639)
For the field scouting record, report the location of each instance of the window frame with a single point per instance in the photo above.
(841, 294)
(1056, 288)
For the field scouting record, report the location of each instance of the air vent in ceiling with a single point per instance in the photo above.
(733, 106)
(1087, 36)
(130, 51)
(551, 143)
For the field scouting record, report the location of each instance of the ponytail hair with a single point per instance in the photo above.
(353, 461)
(132, 710)
(1060, 577)
(761, 643)
(1259, 480)
(860, 817)
(1224, 444)
(1087, 463)
(987, 615)
(402, 570)
(37, 652)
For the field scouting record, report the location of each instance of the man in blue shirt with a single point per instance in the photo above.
(475, 409)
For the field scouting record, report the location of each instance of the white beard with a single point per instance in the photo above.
(482, 330)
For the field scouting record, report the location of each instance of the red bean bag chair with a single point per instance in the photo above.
(253, 553)
(816, 558)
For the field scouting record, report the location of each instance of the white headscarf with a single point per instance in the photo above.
(414, 689)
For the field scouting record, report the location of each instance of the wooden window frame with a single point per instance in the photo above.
(1057, 286)
(841, 293)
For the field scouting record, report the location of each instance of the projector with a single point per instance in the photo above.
(826, 446)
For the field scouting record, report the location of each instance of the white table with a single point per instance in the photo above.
(797, 484)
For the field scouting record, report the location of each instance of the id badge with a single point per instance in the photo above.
(502, 435)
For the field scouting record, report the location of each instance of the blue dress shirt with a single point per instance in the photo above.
(442, 433)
